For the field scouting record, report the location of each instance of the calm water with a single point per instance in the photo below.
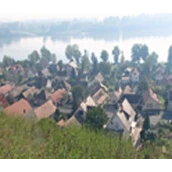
(19, 49)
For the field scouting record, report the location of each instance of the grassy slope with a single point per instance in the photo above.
(21, 138)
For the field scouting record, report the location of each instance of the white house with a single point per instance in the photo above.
(71, 69)
(123, 120)
(135, 76)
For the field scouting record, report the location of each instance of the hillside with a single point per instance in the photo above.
(26, 139)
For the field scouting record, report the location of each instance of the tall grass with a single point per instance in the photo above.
(24, 139)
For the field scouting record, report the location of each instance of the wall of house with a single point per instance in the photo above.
(115, 124)
(135, 78)
(152, 105)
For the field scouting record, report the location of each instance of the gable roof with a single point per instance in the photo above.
(88, 103)
(19, 108)
(100, 96)
(136, 71)
(72, 122)
(99, 77)
(127, 90)
(5, 89)
(150, 94)
(58, 95)
(127, 108)
(118, 93)
(29, 91)
(73, 64)
(46, 110)
(16, 91)
(45, 72)
(61, 123)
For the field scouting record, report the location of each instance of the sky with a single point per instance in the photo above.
(40, 16)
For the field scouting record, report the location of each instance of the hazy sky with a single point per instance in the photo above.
(30, 16)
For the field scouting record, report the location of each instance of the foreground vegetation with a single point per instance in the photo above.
(23, 139)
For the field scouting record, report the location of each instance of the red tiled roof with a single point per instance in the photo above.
(3, 101)
(18, 108)
(58, 95)
(45, 110)
(5, 89)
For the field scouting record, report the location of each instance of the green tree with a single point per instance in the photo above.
(170, 55)
(122, 58)
(116, 53)
(95, 63)
(78, 96)
(85, 64)
(136, 53)
(46, 54)
(76, 53)
(96, 118)
(53, 58)
(57, 115)
(144, 52)
(105, 68)
(104, 55)
(8, 61)
(34, 57)
(69, 52)
(146, 124)
(143, 86)
(139, 52)
(60, 64)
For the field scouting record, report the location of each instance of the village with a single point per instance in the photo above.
(129, 93)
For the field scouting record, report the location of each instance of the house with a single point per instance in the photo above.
(165, 81)
(5, 89)
(114, 97)
(71, 69)
(3, 101)
(136, 133)
(30, 92)
(125, 80)
(96, 87)
(45, 72)
(159, 73)
(45, 111)
(169, 105)
(80, 113)
(42, 97)
(71, 122)
(19, 108)
(16, 69)
(49, 84)
(61, 123)
(67, 86)
(16, 93)
(123, 119)
(127, 71)
(135, 76)
(131, 96)
(151, 101)
(98, 79)
(32, 73)
(100, 97)
(57, 96)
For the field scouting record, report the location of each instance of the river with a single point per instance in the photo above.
(20, 48)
